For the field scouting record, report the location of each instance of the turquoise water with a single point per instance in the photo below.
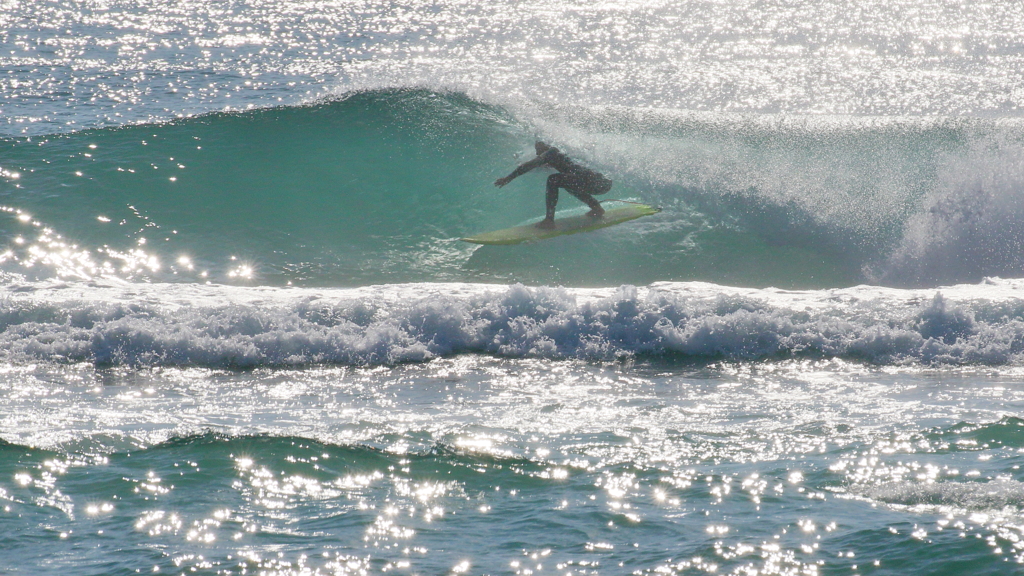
(239, 333)
(376, 187)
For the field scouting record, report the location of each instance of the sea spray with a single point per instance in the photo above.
(182, 325)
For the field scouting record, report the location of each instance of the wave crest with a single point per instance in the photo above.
(971, 223)
(159, 325)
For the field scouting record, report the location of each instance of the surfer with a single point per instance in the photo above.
(581, 182)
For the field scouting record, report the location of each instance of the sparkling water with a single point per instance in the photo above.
(240, 334)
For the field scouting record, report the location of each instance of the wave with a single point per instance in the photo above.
(218, 326)
(950, 489)
(995, 495)
(366, 188)
(1007, 432)
(970, 223)
(377, 186)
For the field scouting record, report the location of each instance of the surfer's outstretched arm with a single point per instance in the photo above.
(522, 169)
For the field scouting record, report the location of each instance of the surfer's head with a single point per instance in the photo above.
(541, 147)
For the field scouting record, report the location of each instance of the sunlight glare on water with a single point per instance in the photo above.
(241, 334)
(638, 459)
(102, 64)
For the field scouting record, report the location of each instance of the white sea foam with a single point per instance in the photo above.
(995, 495)
(107, 322)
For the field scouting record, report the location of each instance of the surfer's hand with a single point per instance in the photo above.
(502, 181)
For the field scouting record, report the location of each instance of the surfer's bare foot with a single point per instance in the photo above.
(546, 224)
(596, 212)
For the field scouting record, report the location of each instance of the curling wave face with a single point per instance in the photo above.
(377, 186)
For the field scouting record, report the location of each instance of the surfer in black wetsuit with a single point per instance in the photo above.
(581, 182)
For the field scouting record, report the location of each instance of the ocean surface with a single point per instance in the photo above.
(239, 333)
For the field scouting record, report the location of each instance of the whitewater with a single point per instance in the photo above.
(239, 332)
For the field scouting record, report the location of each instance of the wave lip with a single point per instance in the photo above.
(221, 326)
(971, 222)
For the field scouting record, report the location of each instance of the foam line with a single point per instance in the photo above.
(113, 323)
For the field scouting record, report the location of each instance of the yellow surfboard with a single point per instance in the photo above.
(563, 226)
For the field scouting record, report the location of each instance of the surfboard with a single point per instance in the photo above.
(564, 226)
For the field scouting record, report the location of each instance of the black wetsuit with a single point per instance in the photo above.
(579, 181)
